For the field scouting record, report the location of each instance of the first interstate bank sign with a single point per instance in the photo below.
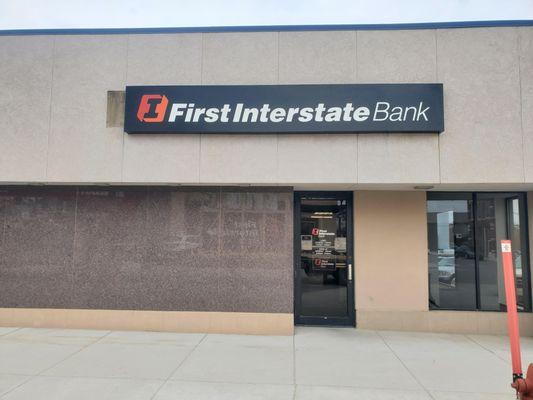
(358, 108)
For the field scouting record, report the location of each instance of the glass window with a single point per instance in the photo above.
(498, 216)
(516, 212)
(452, 273)
(464, 232)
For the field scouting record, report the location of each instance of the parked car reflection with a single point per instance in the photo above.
(464, 251)
(446, 267)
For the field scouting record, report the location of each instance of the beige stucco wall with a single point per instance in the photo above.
(53, 102)
(162, 321)
(391, 270)
(391, 265)
(474, 322)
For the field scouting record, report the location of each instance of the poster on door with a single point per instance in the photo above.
(324, 265)
(323, 250)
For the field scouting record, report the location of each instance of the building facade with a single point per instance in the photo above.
(253, 232)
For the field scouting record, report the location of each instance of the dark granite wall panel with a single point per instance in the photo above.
(36, 252)
(193, 249)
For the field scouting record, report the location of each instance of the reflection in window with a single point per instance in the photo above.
(498, 217)
(464, 232)
(451, 254)
(323, 257)
(515, 235)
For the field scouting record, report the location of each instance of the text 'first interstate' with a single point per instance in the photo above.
(381, 111)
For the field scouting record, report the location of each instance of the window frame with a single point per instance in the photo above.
(524, 237)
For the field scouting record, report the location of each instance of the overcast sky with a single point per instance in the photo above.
(39, 14)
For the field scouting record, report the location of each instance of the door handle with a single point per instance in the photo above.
(350, 272)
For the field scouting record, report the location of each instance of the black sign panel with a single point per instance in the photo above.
(285, 108)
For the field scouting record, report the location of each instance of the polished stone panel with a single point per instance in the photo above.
(208, 251)
(36, 255)
(109, 247)
(4, 197)
(183, 235)
(186, 249)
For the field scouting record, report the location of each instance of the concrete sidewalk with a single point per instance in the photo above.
(317, 363)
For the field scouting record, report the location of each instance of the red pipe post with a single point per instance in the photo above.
(512, 314)
(523, 387)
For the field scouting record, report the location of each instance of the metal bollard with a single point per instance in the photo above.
(523, 387)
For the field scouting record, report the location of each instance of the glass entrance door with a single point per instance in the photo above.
(324, 289)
